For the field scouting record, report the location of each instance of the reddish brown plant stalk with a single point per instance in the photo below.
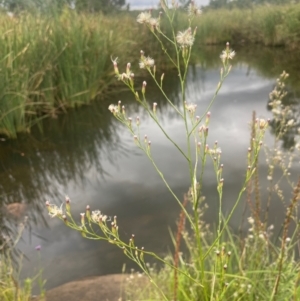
(287, 221)
(180, 228)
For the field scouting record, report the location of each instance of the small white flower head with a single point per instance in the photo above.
(124, 76)
(185, 38)
(215, 151)
(226, 55)
(146, 62)
(144, 18)
(191, 107)
(193, 10)
(114, 109)
(262, 123)
(154, 22)
(291, 122)
(251, 220)
(54, 210)
(96, 216)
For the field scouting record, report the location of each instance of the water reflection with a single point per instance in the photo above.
(90, 157)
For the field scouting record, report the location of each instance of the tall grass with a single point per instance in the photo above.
(271, 25)
(11, 289)
(56, 61)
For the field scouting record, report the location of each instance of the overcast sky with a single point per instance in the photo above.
(142, 4)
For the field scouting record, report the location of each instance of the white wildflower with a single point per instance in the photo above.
(216, 151)
(154, 22)
(95, 216)
(185, 38)
(262, 123)
(98, 217)
(124, 76)
(114, 109)
(54, 210)
(290, 122)
(193, 10)
(251, 220)
(143, 18)
(227, 54)
(146, 62)
(191, 107)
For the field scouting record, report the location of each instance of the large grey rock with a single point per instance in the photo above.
(103, 288)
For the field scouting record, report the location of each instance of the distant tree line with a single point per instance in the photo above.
(106, 6)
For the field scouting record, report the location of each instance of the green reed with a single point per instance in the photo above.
(56, 61)
(270, 25)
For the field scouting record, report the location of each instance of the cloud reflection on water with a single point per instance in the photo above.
(130, 187)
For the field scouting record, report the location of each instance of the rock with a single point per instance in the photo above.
(103, 288)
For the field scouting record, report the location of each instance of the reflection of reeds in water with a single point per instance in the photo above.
(67, 149)
(63, 150)
(267, 62)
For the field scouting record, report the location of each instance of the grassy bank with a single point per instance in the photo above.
(270, 25)
(50, 63)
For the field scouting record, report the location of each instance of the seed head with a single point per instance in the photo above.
(146, 62)
(193, 10)
(191, 107)
(185, 38)
(144, 18)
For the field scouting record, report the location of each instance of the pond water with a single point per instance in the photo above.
(90, 157)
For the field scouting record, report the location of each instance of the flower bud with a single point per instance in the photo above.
(116, 68)
(68, 206)
(144, 87)
(88, 212)
(82, 219)
(207, 118)
(154, 107)
(128, 68)
(64, 217)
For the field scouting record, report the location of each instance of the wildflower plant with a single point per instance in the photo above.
(215, 269)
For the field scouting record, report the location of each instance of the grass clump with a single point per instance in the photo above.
(217, 264)
(51, 62)
(270, 25)
(10, 264)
